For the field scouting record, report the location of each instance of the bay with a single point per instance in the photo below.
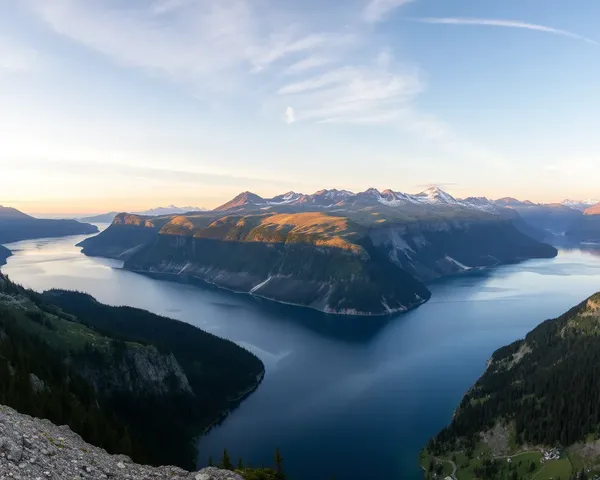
(343, 398)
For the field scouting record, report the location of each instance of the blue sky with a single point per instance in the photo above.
(117, 104)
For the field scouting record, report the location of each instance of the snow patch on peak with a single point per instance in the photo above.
(435, 195)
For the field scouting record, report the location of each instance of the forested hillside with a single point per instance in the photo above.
(123, 378)
(540, 392)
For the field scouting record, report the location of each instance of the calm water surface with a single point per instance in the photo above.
(343, 398)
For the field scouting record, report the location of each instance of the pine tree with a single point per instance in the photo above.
(240, 464)
(226, 461)
(210, 461)
(279, 475)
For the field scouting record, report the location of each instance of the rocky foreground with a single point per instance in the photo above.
(36, 449)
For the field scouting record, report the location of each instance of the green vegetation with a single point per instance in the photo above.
(68, 358)
(537, 393)
(253, 473)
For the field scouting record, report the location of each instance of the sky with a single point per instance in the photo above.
(131, 104)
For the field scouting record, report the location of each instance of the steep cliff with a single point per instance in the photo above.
(324, 278)
(124, 237)
(365, 262)
(430, 250)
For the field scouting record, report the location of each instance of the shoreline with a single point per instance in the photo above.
(281, 302)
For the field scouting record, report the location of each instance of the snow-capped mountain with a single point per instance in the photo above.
(286, 198)
(580, 204)
(479, 203)
(334, 198)
(435, 195)
(170, 210)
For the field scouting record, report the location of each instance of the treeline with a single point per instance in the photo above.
(249, 472)
(550, 393)
(39, 375)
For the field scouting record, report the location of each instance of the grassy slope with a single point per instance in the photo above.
(316, 228)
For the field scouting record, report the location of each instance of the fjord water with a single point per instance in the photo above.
(343, 398)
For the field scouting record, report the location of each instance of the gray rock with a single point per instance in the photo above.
(212, 473)
(37, 385)
(27, 451)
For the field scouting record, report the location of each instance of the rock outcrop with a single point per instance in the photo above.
(32, 448)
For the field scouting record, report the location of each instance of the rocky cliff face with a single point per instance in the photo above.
(328, 279)
(432, 250)
(360, 264)
(32, 448)
(136, 370)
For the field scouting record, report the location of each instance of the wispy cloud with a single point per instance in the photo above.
(286, 66)
(377, 10)
(353, 94)
(507, 24)
(308, 63)
(188, 40)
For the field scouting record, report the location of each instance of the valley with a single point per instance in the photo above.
(398, 379)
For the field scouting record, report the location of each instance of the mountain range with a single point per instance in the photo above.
(343, 198)
(366, 253)
(571, 219)
(170, 210)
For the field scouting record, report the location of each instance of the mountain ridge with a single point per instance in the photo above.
(336, 251)
(16, 226)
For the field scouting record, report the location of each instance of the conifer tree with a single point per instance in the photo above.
(279, 465)
(226, 461)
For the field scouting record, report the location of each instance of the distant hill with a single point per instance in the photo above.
(9, 213)
(16, 226)
(101, 218)
(170, 210)
(593, 210)
(587, 229)
(513, 202)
